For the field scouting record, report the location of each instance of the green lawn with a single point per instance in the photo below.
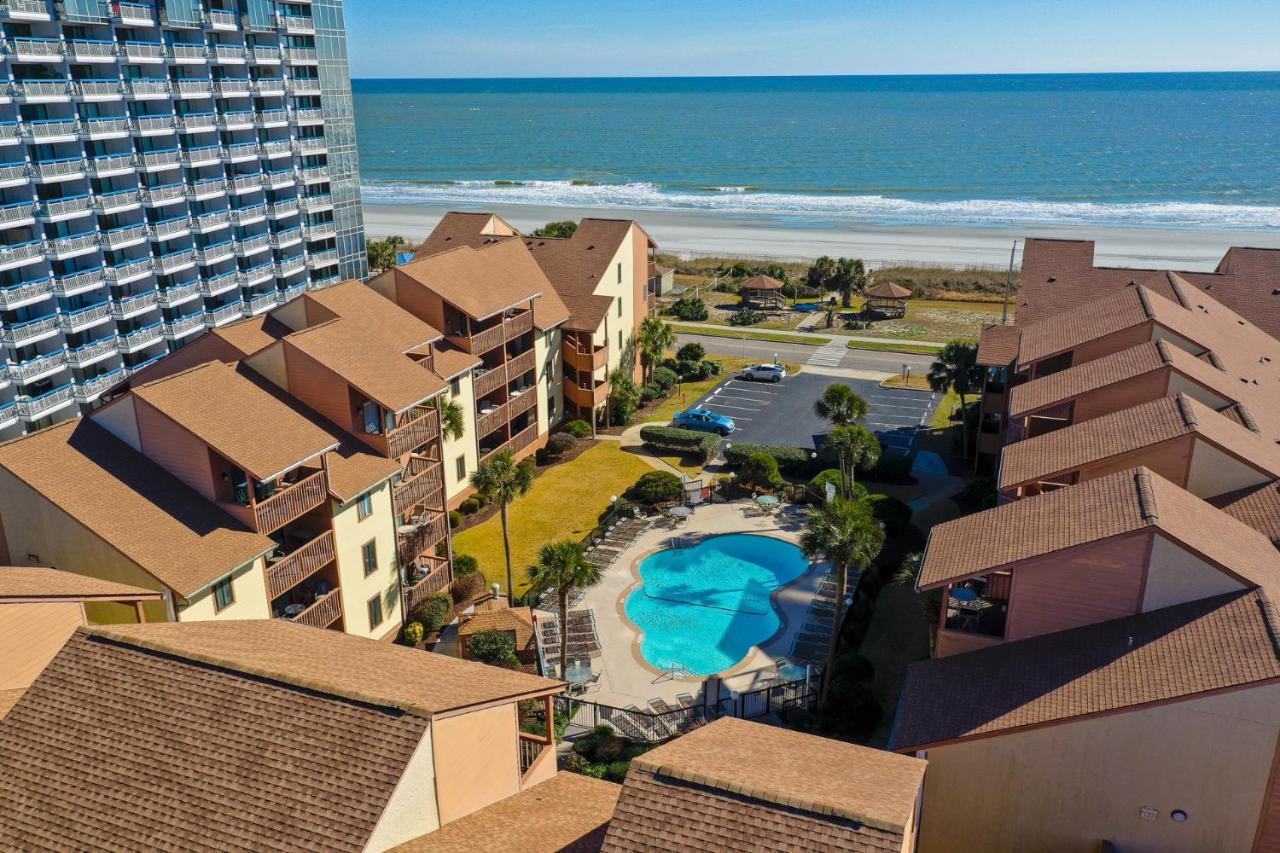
(876, 346)
(564, 503)
(732, 332)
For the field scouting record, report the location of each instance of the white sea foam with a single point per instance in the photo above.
(864, 208)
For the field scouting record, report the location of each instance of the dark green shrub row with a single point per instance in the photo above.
(794, 461)
(702, 444)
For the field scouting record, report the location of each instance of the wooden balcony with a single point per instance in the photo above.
(491, 380)
(487, 423)
(526, 401)
(586, 398)
(514, 327)
(437, 579)
(323, 613)
(293, 569)
(485, 340)
(520, 365)
(422, 477)
(417, 538)
(523, 438)
(291, 502)
(531, 748)
(414, 433)
(585, 358)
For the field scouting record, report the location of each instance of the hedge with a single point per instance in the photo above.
(703, 444)
(791, 460)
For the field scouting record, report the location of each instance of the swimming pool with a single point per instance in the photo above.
(702, 608)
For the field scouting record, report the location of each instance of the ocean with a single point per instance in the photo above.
(1169, 150)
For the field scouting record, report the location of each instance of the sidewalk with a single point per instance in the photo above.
(729, 332)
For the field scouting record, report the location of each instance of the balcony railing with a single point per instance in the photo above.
(120, 237)
(286, 238)
(126, 271)
(303, 115)
(222, 20)
(291, 502)
(276, 148)
(197, 87)
(531, 748)
(77, 282)
(83, 50)
(585, 357)
(265, 53)
(163, 194)
(228, 53)
(73, 243)
(36, 407)
(158, 159)
(135, 304)
(175, 261)
(192, 122)
(9, 131)
(92, 351)
(419, 537)
(422, 477)
(520, 365)
(323, 613)
(270, 118)
(268, 86)
(300, 55)
(39, 48)
(152, 123)
(136, 51)
(260, 302)
(220, 283)
(169, 228)
(108, 88)
(414, 433)
(224, 314)
(28, 291)
(312, 145)
(134, 13)
(106, 126)
(296, 23)
(190, 52)
(522, 402)
(304, 86)
(177, 294)
(139, 338)
(486, 340)
(42, 89)
(184, 325)
(291, 570)
(489, 381)
(420, 585)
(88, 389)
(519, 324)
(322, 258)
(287, 207)
(17, 212)
(58, 168)
(492, 419)
(73, 321)
(113, 201)
(51, 128)
(19, 252)
(147, 87)
(28, 370)
(314, 174)
(14, 172)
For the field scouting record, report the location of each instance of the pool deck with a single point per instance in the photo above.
(626, 678)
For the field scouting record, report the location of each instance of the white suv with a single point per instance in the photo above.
(765, 372)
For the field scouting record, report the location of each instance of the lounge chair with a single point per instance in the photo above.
(686, 700)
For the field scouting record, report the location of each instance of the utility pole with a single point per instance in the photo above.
(1008, 285)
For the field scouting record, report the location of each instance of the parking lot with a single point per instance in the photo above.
(782, 413)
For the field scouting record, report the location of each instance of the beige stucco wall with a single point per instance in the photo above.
(411, 811)
(477, 760)
(1176, 575)
(546, 349)
(248, 584)
(452, 448)
(30, 635)
(610, 286)
(1215, 473)
(349, 535)
(1063, 788)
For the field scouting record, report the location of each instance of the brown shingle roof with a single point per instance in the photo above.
(457, 228)
(567, 813)
(236, 418)
(516, 619)
(115, 747)
(1256, 506)
(38, 582)
(998, 345)
(378, 315)
(1113, 505)
(761, 282)
(577, 264)
(227, 344)
(449, 361)
(332, 662)
(1059, 387)
(888, 290)
(1131, 430)
(1108, 315)
(1167, 654)
(369, 364)
(137, 507)
(746, 786)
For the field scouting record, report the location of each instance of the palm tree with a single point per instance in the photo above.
(854, 445)
(451, 420)
(503, 480)
(956, 369)
(652, 340)
(846, 533)
(839, 405)
(563, 566)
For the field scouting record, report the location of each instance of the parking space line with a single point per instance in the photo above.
(715, 397)
(739, 408)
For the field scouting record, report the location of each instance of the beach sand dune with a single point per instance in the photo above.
(699, 233)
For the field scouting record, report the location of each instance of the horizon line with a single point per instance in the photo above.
(829, 76)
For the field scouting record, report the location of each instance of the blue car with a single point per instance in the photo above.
(703, 420)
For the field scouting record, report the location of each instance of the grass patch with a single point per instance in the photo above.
(942, 414)
(687, 464)
(733, 332)
(913, 382)
(936, 320)
(565, 502)
(911, 349)
(686, 394)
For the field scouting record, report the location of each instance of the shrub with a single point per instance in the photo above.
(665, 378)
(691, 352)
(650, 392)
(818, 485)
(465, 564)
(493, 647)
(746, 317)
(434, 612)
(413, 633)
(711, 368)
(760, 469)
(470, 506)
(616, 771)
(791, 460)
(560, 443)
(656, 486)
(703, 445)
(575, 763)
(689, 308)
(622, 412)
(891, 512)
(577, 428)
(455, 518)
(466, 587)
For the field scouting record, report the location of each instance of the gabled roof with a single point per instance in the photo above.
(30, 583)
(458, 228)
(367, 363)
(353, 300)
(236, 418)
(998, 345)
(1110, 314)
(738, 785)
(134, 505)
(1178, 652)
(576, 266)
(486, 281)
(1120, 503)
(518, 620)
(335, 663)
(761, 282)
(1057, 388)
(1256, 506)
(227, 344)
(118, 746)
(567, 813)
(888, 290)
(1130, 430)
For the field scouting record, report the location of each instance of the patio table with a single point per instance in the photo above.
(578, 673)
(767, 502)
(963, 593)
(679, 512)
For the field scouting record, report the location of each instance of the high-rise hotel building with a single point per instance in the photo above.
(166, 167)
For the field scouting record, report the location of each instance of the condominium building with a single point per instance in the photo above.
(166, 167)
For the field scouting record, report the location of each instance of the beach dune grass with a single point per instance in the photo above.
(565, 502)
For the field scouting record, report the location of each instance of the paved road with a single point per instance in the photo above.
(886, 362)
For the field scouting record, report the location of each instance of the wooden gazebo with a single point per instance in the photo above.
(761, 291)
(888, 299)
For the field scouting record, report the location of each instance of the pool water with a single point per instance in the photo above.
(702, 608)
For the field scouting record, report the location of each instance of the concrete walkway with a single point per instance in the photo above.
(815, 336)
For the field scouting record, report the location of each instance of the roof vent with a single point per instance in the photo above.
(1275, 291)
(592, 246)
(1053, 278)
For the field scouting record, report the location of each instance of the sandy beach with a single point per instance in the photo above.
(700, 233)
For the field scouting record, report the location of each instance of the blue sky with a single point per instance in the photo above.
(537, 38)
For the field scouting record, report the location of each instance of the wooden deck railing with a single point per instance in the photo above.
(486, 340)
(424, 536)
(523, 403)
(323, 613)
(437, 580)
(490, 381)
(300, 565)
(487, 423)
(585, 357)
(414, 433)
(517, 325)
(520, 365)
(531, 746)
(291, 502)
(424, 477)
(523, 438)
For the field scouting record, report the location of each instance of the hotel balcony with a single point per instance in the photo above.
(314, 174)
(119, 238)
(92, 352)
(114, 164)
(304, 86)
(89, 389)
(280, 179)
(65, 207)
(127, 271)
(268, 86)
(283, 208)
(491, 418)
(422, 478)
(249, 215)
(195, 122)
(975, 614)
(260, 302)
(214, 220)
(20, 253)
(583, 356)
(228, 54)
(296, 24)
(13, 174)
(302, 56)
(34, 408)
(317, 203)
(155, 160)
(257, 274)
(148, 125)
(141, 338)
(417, 538)
(515, 444)
(183, 326)
(179, 294)
(294, 495)
(86, 50)
(224, 314)
(306, 116)
(323, 258)
(141, 14)
(108, 89)
(427, 575)
(326, 611)
(286, 571)
(78, 282)
(236, 120)
(312, 145)
(240, 152)
(9, 132)
(264, 54)
(24, 293)
(73, 245)
(84, 318)
(106, 128)
(272, 118)
(142, 51)
(587, 392)
(19, 212)
(219, 19)
(204, 155)
(58, 170)
(116, 202)
(33, 369)
(167, 229)
(27, 49)
(188, 53)
(192, 87)
(131, 306)
(42, 90)
(143, 88)
(286, 238)
(175, 261)
(51, 130)
(253, 245)
(419, 425)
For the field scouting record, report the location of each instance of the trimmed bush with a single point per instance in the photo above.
(818, 485)
(655, 487)
(692, 351)
(665, 378)
(434, 612)
(651, 392)
(791, 460)
(689, 308)
(560, 443)
(703, 445)
(413, 633)
(466, 587)
(746, 317)
(465, 564)
(455, 518)
(469, 507)
(760, 470)
(577, 428)
(616, 771)
(493, 647)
